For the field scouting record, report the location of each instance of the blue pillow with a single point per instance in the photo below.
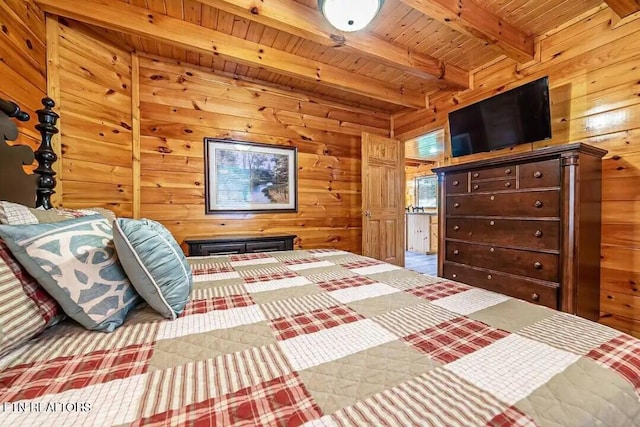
(76, 262)
(154, 263)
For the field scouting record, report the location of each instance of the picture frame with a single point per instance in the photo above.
(249, 177)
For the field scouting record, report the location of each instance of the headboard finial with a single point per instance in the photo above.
(47, 119)
(48, 102)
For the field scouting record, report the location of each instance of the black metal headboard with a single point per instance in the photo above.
(16, 185)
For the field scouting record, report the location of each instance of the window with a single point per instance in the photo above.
(427, 191)
(426, 147)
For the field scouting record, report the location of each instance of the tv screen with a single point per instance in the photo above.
(518, 116)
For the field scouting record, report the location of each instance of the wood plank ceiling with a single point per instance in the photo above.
(414, 48)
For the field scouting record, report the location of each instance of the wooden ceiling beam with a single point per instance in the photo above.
(176, 32)
(624, 8)
(302, 21)
(417, 162)
(469, 18)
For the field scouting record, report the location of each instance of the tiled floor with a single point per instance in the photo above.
(421, 263)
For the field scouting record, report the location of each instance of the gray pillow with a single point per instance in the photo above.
(76, 262)
(154, 263)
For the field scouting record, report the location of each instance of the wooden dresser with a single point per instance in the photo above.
(526, 225)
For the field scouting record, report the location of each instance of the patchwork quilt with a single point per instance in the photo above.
(327, 338)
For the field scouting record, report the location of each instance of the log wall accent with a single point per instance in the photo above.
(23, 61)
(95, 118)
(594, 70)
(115, 124)
(180, 105)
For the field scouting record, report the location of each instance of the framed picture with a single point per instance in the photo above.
(249, 177)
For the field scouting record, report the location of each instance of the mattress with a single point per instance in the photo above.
(328, 338)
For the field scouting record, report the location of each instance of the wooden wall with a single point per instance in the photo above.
(132, 140)
(180, 105)
(23, 61)
(594, 72)
(93, 80)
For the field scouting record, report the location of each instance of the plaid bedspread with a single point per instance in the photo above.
(328, 338)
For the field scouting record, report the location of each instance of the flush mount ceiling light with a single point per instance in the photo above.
(350, 15)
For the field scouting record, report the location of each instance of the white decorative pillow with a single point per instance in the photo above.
(16, 214)
(76, 262)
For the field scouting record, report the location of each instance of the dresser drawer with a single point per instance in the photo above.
(217, 249)
(457, 183)
(537, 265)
(539, 235)
(499, 172)
(526, 289)
(540, 174)
(526, 204)
(495, 185)
(270, 246)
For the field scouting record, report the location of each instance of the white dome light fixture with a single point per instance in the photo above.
(350, 15)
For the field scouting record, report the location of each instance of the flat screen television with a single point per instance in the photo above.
(517, 116)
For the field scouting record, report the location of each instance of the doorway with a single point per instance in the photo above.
(421, 201)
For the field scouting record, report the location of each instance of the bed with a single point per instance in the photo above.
(326, 338)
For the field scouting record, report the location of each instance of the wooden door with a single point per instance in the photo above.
(383, 199)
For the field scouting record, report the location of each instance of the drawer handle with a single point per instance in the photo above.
(475, 187)
(456, 183)
(475, 175)
(488, 276)
(507, 184)
(537, 265)
(456, 227)
(456, 252)
(538, 204)
(492, 223)
(538, 233)
(507, 172)
(456, 205)
(535, 297)
(492, 250)
(537, 174)
(454, 275)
